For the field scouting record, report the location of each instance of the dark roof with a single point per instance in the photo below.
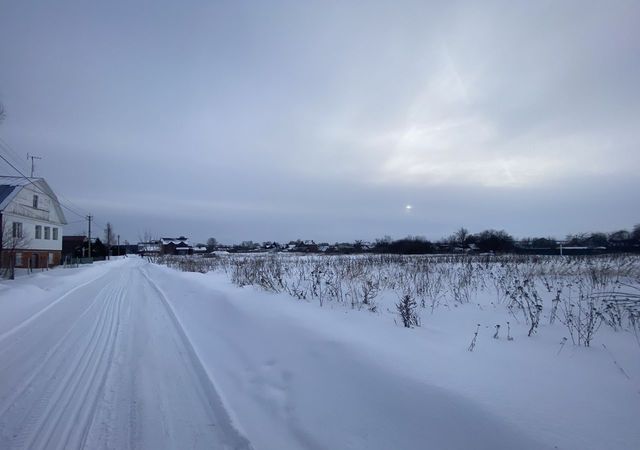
(5, 191)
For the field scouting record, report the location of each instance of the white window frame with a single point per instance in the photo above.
(38, 233)
(55, 233)
(35, 201)
(16, 230)
(18, 259)
(47, 233)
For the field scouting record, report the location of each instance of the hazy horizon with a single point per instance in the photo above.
(316, 120)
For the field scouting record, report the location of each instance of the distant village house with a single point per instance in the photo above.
(169, 246)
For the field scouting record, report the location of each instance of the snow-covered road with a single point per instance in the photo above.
(105, 365)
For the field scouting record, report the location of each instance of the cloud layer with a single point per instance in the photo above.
(323, 120)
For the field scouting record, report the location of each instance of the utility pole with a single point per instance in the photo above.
(89, 218)
(109, 237)
(33, 158)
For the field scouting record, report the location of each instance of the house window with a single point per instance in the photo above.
(50, 259)
(19, 259)
(35, 201)
(47, 232)
(55, 234)
(17, 230)
(38, 231)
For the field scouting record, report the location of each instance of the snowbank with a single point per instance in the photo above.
(299, 376)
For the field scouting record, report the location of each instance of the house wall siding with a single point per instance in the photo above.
(29, 232)
(22, 205)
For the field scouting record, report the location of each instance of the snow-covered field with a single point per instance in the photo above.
(130, 354)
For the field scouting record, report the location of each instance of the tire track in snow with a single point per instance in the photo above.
(20, 390)
(94, 390)
(214, 401)
(119, 373)
(79, 434)
(35, 398)
(71, 397)
(61, 416)
(35, 316)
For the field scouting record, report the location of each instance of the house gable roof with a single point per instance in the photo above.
(13, 185)
(7, 193)
(176, 241)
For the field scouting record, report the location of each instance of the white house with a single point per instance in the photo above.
(149, 248)
(31, 223)
(199, 249)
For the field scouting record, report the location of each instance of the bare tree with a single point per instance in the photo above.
(151, 246)
(635, 234)
(13, 239)
(109, 238)
(461, 236)
(211, 244)
(146, 236)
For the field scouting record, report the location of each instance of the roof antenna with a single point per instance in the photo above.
(32, 158)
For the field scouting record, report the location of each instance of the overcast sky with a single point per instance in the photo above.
(324, 120)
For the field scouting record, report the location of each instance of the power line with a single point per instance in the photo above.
(38, 188)
(72, 204)
(73, 222)
(83, 213)
(13, 154)
(84, 216)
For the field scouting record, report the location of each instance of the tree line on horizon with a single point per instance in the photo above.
(496, 241)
